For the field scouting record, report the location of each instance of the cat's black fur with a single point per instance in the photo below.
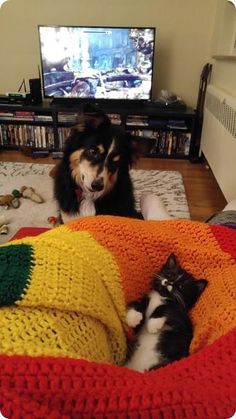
(174, 292)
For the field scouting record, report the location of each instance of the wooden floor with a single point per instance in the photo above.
(203, 194)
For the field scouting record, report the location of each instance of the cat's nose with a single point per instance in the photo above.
(97, 185)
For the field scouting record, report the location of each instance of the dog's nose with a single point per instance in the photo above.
(97, 185)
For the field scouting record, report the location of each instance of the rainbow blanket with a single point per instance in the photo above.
(63, 296)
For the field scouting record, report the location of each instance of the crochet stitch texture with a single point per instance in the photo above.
(63, 296)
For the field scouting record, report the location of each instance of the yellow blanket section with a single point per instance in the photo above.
(74, 306)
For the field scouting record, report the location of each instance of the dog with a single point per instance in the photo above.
(93, 176)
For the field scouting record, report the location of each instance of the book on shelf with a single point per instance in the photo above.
(142, 120)
(167, 143)
(115, 118)
(184, 140)
(157, 123)
(6, 115)
(68, 117)
(24, 113)
(63, 134)
(176, 124)
(144, 133)
(26, 135)
(24, 116)
(43, 118)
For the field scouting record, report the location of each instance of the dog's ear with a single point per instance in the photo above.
(94, 116)
(80, 124)
(140, 146)
(90, 120)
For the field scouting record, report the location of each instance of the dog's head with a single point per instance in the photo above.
(95, 157)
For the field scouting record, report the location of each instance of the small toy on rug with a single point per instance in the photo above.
(4, 220)
(29, 192)
(16, 193)
(54, 221)
(4, 229)
(9, 200)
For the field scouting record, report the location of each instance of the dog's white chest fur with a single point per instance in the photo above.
(146, 354)
(87, 207)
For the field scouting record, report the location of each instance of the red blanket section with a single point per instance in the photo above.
(200, 386)
(28, 231)
(226, 238)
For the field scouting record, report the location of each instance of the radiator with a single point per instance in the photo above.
(218, 141)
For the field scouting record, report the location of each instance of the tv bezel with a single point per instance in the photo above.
(93, 99)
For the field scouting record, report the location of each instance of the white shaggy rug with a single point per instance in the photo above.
(168, 185)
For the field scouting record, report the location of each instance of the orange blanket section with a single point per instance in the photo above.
(141, 247)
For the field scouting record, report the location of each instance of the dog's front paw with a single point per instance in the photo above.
(154, 325)
(133, 317)
(87, 208)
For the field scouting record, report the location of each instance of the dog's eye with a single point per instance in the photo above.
(113, 166)
(93, 152)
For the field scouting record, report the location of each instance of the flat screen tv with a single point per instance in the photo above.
(97, 62)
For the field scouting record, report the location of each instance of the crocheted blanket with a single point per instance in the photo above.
(63, 296)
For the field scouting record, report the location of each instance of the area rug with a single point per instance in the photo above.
(168, 185)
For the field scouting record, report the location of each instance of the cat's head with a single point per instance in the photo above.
(172, 281)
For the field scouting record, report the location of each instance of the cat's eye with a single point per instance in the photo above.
(164, 282)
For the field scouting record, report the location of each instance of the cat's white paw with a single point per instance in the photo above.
(155, 324)
(133, 317)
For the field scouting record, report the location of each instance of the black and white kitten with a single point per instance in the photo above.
(163, 329)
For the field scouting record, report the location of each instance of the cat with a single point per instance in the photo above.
(162, 327)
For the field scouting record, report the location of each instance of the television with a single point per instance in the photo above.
(97, 62)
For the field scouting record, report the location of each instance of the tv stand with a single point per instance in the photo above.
(66, 102)
(168, 130)
(106, 104)
(178, 105)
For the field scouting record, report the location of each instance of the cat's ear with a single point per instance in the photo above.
(201, 285)
(171, 262)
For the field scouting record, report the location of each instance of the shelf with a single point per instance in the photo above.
(229, 57)
(26, 126)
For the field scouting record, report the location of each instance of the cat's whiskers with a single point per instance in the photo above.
(176, 294)
(178, 278)
(157, 276)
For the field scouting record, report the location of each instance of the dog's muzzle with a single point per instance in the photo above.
(97, 185)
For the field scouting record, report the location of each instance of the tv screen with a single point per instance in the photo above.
(97, 63)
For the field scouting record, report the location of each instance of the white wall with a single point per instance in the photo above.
(218, 146)
(184, 33)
